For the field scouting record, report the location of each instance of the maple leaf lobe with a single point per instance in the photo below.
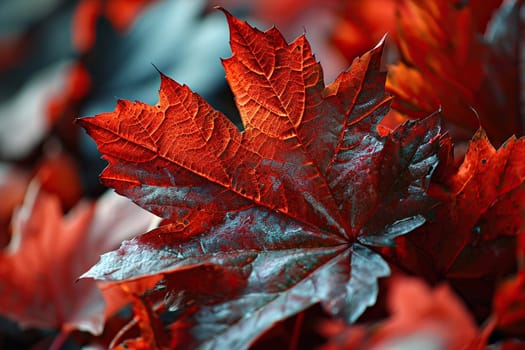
(278, 69)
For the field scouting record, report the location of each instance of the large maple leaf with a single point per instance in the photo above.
(282, 213)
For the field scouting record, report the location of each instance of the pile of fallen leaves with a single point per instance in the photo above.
(374, 212)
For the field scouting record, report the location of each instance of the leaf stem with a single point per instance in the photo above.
(294, 342)
(121, 332)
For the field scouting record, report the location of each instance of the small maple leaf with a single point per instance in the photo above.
(48, 251)
(472, 238)
(286, 207)
(41, 245)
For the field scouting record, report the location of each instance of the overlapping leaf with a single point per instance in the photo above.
(420, 317)
(471, 240)
(285, 208)
(48, 251)
(449, 61)
(41, 243)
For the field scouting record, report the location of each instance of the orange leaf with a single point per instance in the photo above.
(447, 61)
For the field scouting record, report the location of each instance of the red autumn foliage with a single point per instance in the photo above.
(58, 175)
(509, 303)
(121, 14)
(454, 58)
(361, 24)
(297, 214)
(277, 192)
(43, 255)
(41, 241)
(420, 317)
(471, 240)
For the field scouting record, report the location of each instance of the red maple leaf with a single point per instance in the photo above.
(285, 208)
(509, 305)
(421, 317)
(471, 241)
(448, 61)
(48, 251)
(41, 257)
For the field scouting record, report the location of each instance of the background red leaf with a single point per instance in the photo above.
(509, 305)
(421, 317)
(472, 238)
(453, 58)
(44, 255)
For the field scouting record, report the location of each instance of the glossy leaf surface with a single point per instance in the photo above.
(471, 241)
(286, 209)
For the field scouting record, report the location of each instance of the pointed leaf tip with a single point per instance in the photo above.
(227, 13)
(381, 41)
